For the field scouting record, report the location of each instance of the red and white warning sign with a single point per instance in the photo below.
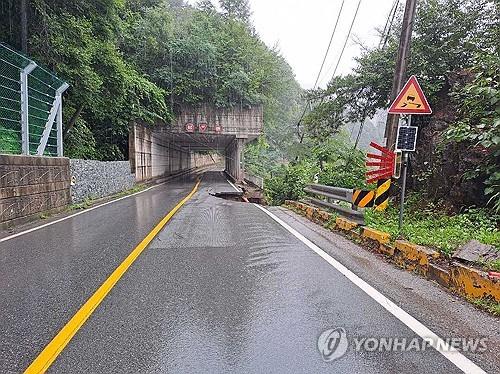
(218, 128)
(189, 127)
(411, 100)
(202, 127)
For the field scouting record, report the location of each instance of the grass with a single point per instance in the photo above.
(489, 305)
(87, 203)
(135, 189)
(332, 221)
(428, 226)
(491, 265)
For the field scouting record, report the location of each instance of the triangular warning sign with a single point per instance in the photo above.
(411, 100)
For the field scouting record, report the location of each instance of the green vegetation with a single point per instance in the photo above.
(131, 191)
(89, 202)
(9, 141)
(288, 182)
(334, 162)
(130, 60)
(455, 53)
(85, 204)
(425, 225)
(478, 103)
(332, 221)
(489, 305)
(491, 265)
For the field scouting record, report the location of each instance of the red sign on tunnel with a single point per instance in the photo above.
(189, 127)
(203, 127)
(218, 128)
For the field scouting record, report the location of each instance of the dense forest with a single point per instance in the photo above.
(132, 60)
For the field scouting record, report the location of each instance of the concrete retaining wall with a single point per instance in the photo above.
(238, 121)
(256, 180)
(32, 185)
(95, 179)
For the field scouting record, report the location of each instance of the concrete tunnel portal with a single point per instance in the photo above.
(194, 135)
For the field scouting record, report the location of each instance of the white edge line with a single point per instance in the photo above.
(76, 214)
(232, 184)
(454, 356)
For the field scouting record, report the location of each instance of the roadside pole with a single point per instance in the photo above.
(402, 60)
(404, 168)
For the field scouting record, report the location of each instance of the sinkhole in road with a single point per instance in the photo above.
(231, 195)
(243, 196)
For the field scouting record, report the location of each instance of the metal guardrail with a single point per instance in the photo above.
(330, 196)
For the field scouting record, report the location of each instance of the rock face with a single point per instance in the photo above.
(94, 179)
(474, 251)
(440, 168)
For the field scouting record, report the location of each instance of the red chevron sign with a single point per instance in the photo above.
(385, 163)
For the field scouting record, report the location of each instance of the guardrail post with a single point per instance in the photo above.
(25, 132)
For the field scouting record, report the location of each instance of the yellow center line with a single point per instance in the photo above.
(43, 361)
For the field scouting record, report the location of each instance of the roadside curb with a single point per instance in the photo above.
(456, 277)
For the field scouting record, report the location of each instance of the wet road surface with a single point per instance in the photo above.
(223, 288)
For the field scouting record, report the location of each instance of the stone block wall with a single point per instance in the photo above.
(95, 179)
(31, 185)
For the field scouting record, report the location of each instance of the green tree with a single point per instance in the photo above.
(237, 9)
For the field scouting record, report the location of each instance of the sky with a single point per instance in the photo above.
(302, 29)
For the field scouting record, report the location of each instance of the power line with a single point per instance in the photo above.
(387, 21)
(324, 58)
(329, 45)
(346, 39)
(388, 32)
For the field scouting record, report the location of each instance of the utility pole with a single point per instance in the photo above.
(24, 25)
(391, 126)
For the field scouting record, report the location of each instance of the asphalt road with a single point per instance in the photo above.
(223, 288)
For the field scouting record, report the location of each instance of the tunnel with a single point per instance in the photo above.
(198, 136)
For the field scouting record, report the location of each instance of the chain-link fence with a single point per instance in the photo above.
(30, 106)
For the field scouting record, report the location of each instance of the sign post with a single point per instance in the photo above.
(404, 168)
(411, 100)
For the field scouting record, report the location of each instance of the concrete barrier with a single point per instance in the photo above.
(459, 278)
(31, 185)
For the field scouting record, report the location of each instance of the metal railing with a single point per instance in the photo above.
(329, 197)
(30, 104)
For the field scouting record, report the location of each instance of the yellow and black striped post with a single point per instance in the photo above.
(382, 195)
(363, 198)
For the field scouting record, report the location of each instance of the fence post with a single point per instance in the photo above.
(25, 133)
(60, 148)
